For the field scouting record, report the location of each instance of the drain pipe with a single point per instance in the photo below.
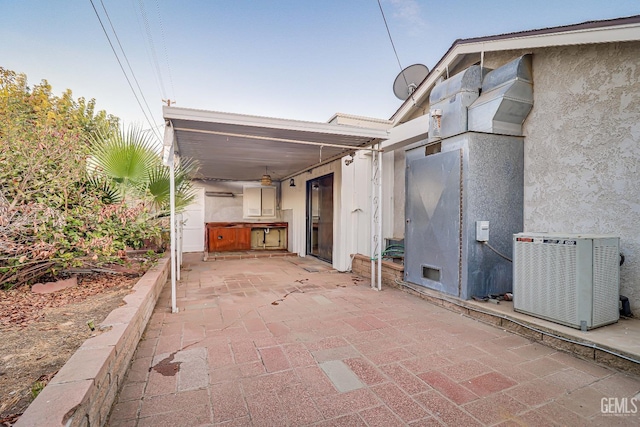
(524, 325)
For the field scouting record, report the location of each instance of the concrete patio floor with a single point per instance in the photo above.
(288, 341)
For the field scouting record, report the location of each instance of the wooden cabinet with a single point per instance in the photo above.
(237, 236)
(222, 239)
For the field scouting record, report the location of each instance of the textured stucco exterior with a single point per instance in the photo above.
(582, 146)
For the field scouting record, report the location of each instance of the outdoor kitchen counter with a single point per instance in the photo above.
(234, 236)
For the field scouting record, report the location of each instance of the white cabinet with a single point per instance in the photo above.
(259, 202)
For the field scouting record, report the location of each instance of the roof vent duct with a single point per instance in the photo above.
(449, 101)
(506, 100)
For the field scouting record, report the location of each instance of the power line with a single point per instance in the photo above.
(394, 48)
(146, 47)
(128, 63)
(152, 46)
(121, 67)
(164, 45)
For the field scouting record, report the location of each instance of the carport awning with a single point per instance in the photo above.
(240, 147)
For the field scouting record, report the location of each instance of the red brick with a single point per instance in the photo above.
(380, 416)
(490, 383)
(344, 403)
(274, 359)
(400, 403)
(496, 408)
(444, 410)
(368, 373)
(228, 402)
(447, 387)
(405, 379)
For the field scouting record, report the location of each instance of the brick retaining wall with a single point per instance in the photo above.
(82, 392)
(391, 271)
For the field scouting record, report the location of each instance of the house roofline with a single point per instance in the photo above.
(605, 31)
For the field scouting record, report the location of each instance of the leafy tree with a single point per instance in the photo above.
(53, 215)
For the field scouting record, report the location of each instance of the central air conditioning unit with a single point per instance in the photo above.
(571, 279)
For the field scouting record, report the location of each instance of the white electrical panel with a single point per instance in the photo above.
(570, 279)
(482, 231)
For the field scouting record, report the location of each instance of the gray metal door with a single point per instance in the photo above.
(432, 231)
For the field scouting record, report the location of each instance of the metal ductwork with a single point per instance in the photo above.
(449, 100)
(506, 100)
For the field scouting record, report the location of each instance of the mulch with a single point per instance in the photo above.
(20, 307)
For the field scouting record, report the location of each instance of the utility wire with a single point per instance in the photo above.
(394, 49)
(130, 68)
(152, 46)
(497, 252)
(166, 54)
(120, 63)
(146, 45)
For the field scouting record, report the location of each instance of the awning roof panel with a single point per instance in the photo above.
(239, 147)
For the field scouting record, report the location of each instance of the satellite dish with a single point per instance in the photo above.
(408, 80)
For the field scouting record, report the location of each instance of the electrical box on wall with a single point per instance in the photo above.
(259, 202)
(482, 231)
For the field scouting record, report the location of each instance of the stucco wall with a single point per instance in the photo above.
(582, 147)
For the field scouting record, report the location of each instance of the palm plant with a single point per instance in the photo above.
(159, 189)
(130, 164)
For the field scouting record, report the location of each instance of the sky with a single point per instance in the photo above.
(294, 59)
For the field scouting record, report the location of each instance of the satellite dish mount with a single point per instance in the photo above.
(408, 80)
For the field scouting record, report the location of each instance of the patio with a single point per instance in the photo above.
(289, 341)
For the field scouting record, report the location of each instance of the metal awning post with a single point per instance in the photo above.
(168, 159)
(174, 246)
(379, 218)
(376, 223)
(372, 214)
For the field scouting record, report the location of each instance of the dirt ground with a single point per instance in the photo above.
(40, 332)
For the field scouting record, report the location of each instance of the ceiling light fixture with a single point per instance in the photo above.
(266, 178)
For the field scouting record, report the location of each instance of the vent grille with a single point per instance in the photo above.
(546, 283)
(567, 279)
(606, 276)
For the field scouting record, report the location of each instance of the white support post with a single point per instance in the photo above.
(178, 245)
(376, 223)
(373, 221)
(168, 159)
(172, 201)
(379, 231)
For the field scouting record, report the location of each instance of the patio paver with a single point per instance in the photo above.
(287, 341)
